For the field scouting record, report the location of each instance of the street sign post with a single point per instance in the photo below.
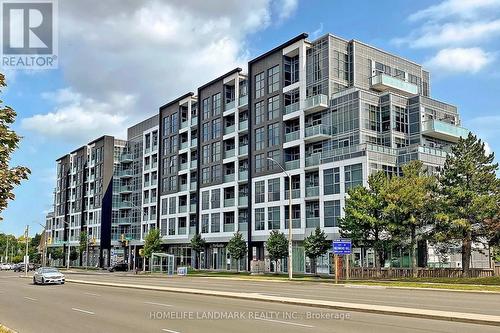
(341, 247)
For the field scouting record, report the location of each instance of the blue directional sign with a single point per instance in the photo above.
(341, 246)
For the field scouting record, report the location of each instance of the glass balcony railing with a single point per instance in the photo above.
(319, 129)
(316, 102)
(192, 208)
(312, 191)
(194, 121)
(228, 227)
(229, 129)
(243, 100)
(193, 186)
(126, 173)
(183, 209)
(383, 82)
(229, 153)
(243, 150)
(229, 177)
(292, 108)
(291, 165)
(229, 202)
(183, 187)
(243, 201)
(243, 125)
(184, 145)
(127, 157)
(194, 142)
(243, 175)
(184, 124)
(183, 166)
(295, 223)
(194, 164)
(291, 136)
(295, 193)
(230, 105)
(242, 226)
(313, 160)
(182, 230)
(443, 130)
(192, 230)
(312, 222)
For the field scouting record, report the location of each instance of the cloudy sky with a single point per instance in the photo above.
(121, 59)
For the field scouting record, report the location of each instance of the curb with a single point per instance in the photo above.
(470, 318)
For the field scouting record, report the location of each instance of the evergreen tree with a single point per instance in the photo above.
(469, 197)
(198, 245)
(277, 245)
(237, 248)
(364, 221)
(9, 140)
(316, 245)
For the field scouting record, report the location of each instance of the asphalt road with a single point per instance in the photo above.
(84, 308)
(483, 303)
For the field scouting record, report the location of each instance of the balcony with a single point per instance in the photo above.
(183, 166)
(194, 121)
(242, 226)
(229, 202)
(183, 209)
(291, 108)
(292, 136)
(317, 133)
(443, 131)
(243, 100)
(192, 208)
(229, 153)
(243, 175)
(230, 105)
(194, 164)
(182, 231)
(193, 186)
(126, 158)
(228, 227)
(125, 205)
(192, 230)
(228, 129)
(126, 173)
(194, 142)
(125, 189)
(124, 220)
(184, 124)
(295, 193)
(293, 164)
(313, 160)
(312, 191)
(384, 82)
(243, 150)
(243, 201)
(229, 178)
(316, 103)
(312, 222)
(295, 223)
(243, 125)
(183, 187)
(184, 145)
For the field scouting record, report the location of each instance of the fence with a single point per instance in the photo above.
(497, 270)
(396, 273)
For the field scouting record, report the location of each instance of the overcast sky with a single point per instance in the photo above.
(119, 60)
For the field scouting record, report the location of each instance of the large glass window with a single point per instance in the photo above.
(259, 163)
(260, 191)
(216, 104)
(205, 157)
(259, 112)
(216, 198)
(273, 188)
(273, 134)
(205, 175)
(273, 79)
(204, 223)
(353, 175)
(332, 213)
(216, 128)
(205, 200)
(215, 223)
(273, 218)
(206, 108)
(273, 107)
(216, 173)
(331, 181)
(259, 85)
(260, 219)
(216, 151)
(291, 70)
(259, 138)
(205, 132)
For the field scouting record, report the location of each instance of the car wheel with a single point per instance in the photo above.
(62, 282)
(34, 280)
(43, 281)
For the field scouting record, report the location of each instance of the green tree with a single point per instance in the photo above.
(408, 198)
(277, 245)
(152, 243)
(83, 242)
(237, 248)
(364, 221)
(316, 245)
(56, 253)
(73, 254)
(468, 196)
(9, 140)
(198, 245)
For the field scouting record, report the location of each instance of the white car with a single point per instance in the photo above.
(45, 275)
(5, 267)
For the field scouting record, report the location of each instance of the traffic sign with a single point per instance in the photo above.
(341, 246)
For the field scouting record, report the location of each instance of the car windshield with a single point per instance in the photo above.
(49, 270)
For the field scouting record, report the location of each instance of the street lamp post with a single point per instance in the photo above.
(69, 246)
(290, 243)
(44, 250)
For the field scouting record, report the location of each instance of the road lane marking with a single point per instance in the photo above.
(285, 322)
(92, 294)
(31, 299)
(160, 304)
(170, 331)
(84, 311)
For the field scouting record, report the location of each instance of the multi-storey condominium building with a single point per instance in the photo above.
(326, 112)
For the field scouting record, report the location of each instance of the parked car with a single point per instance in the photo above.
(45, 275)
(5, 267)
(20, 267)
(121, 266)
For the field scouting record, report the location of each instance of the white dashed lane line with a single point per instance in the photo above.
(159, 304)
(285, 322)
(83, 311)
(169, 331)
(29, 298)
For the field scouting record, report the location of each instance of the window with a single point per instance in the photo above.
(259, 112)
(216, 198)
(353, 175)
(273, 107)
(205, 200)
(332, 213)
(331, 181)
(204, 223)
(291, 70)
(259, 163)
(216, 173)
(171, 226)
(260, 219)
(260, 191)
(273, 134)
(276, 156)
(205, 155)
(259, 138)
(259, 85)
(216, 104)
(205, 132)
(164, 206)
(273, 218)
(216, 128)
(205, 175)
(400, 119)
(216, 151)
(172, 205)
(273, 79)
(215, 223)
(273, 189)
(206, 108)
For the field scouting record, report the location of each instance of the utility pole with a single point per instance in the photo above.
(26, 258)
(87, 253)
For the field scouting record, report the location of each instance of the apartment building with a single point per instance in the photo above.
(326, 112)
